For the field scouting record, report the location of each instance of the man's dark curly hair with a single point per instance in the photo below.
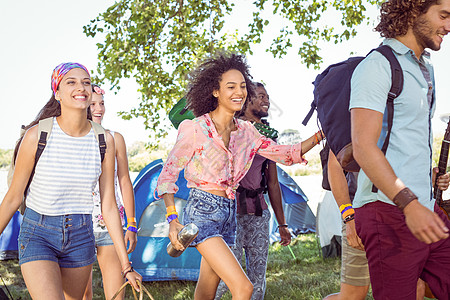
(206, 78)
(396, 16)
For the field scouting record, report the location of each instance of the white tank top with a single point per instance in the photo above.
(65, 174)
(97, 218)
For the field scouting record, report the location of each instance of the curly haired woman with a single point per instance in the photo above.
(216, 150)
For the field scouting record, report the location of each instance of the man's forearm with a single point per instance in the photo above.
(274, 192)
(337, 180)
(366, 129)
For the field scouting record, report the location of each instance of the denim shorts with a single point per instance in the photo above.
(102, 238)
(66, 239)
(213, 215)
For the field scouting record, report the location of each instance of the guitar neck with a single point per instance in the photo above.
(443, 160)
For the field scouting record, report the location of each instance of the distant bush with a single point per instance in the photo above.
(312, 168)
(5, 158)
(140, 155)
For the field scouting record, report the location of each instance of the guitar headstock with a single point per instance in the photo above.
(446, 119)
(447, 132)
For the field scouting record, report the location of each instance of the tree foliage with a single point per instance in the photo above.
(158, 41)
(139, 155)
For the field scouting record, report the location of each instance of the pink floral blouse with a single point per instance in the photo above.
(209, 165)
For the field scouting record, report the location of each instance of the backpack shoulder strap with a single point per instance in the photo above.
(44, 130)
(394, 92)
(101, 138)
(396, 71)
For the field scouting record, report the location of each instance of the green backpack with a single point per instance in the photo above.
(179, 113)
(44, 131)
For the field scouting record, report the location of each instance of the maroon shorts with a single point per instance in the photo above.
(396, 258)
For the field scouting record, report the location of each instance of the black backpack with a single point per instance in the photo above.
(331, 100)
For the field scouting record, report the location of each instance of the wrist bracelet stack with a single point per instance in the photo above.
(127, 270)
(346, 211)
(403, 198)
(316, 137)
(171, 213)
(132, 228)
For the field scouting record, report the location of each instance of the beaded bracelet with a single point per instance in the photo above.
(349, 218)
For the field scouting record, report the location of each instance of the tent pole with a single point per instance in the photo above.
(292, 252)
(4, 284)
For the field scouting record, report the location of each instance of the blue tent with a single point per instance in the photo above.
(298, 214)
(150, 257)
(8, 239)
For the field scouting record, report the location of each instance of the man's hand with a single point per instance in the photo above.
(424, 224)
(285, 236)
(353, 238)
(443, 181)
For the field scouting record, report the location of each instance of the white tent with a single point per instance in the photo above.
(329, 226)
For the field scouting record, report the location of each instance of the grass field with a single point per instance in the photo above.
(307, 276)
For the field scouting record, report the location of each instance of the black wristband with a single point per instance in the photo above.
(403, 198)
(349, 218)
(282, 225)
(124, 274)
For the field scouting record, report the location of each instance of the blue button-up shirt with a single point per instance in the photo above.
(410, 145)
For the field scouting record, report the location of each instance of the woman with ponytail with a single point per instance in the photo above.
(56, 241)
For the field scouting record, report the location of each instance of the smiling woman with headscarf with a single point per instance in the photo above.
(56, 243)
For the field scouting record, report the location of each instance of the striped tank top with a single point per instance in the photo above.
(65, 174)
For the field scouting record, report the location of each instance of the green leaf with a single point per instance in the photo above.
(159, 42)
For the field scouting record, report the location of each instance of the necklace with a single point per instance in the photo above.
(217, 127)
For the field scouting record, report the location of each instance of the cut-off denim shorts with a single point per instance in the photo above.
(66, 239)
(102, 238)
(214, 216)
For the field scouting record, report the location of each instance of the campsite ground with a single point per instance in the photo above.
(297, 274)
(300, 274)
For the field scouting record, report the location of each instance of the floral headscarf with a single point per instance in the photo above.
(61, 70)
